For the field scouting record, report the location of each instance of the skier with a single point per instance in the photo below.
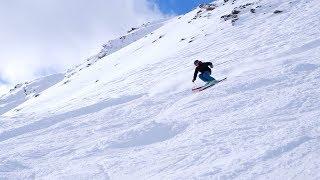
(205, 75)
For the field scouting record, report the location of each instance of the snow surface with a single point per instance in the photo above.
(132, 115)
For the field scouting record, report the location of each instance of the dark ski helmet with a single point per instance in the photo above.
(196, 62)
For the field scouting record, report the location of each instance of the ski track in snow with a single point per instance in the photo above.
(132, 115)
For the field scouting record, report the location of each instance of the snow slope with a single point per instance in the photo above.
(23, 92)
(132, 115)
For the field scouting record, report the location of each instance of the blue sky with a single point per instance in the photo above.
(178, 6)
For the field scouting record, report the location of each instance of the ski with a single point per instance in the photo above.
(201, 88)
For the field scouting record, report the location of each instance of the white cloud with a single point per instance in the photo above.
(44, 36)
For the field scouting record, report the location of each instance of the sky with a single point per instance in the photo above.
(42, 37)
(178, 6)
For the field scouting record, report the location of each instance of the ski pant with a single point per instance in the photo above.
(205, 76)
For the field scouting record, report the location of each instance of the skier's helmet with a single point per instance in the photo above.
(196, 62)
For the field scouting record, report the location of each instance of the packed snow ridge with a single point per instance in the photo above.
(129, 112)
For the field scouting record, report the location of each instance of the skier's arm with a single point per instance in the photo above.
(209, 64)
(195, 74)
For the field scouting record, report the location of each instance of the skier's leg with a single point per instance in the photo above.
(208, 77)
(203, 77)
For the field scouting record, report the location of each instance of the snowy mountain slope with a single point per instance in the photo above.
(132, 114)
(116, 44)
(22, 92)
